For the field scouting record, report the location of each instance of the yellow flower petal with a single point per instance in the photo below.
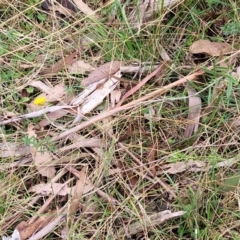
(39, 101)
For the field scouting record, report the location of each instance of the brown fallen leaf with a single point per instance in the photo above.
(194, 112)
(80, 67)
(104, 71)
(43, 159)
(57, 67)
(210, 48)
(61, 189)
(9, 149)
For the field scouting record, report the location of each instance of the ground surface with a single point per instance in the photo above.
(149, 170)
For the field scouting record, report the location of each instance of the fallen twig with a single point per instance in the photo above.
(152, 220)
(132, 104)
(139, 85)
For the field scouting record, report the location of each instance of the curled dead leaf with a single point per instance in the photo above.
(210, 48)
(102, 72)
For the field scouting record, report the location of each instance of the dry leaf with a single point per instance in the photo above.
(51, 117)
(104, 71)
(92, 142)
(179, 167)
(194, 112)
(97, 97)
(54, 94)
(60, 189)
(84, 8)
(80, 67)
(43, 159)
(84, 94)
(8, 149)
(210, 48)
(42, 162)
(40, 85)
(56, 67)
(47, 189)
(50, 94)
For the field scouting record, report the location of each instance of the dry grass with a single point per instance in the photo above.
(129, 168)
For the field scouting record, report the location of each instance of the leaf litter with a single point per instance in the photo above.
(97, 160)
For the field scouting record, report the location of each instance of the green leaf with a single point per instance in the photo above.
(41, 17)
(30, 89)
(24, 99)
(230, 183)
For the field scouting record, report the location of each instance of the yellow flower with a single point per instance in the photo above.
(39, 101)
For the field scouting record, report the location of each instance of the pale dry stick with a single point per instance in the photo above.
(155, 219)
(115, 110)
(139, 85)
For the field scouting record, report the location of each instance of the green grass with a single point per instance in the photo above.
(29, 35)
